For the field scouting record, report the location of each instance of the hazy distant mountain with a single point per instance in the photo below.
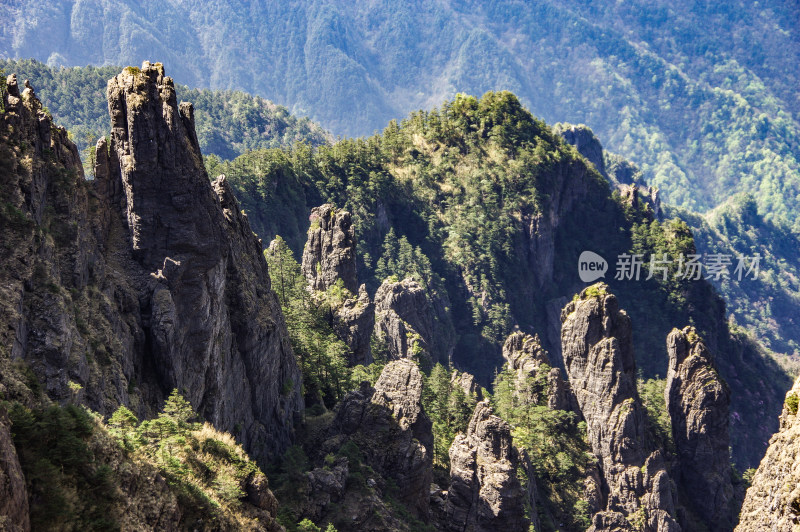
(702, 96)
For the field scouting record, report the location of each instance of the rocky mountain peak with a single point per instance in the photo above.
(598, 355)
(330, 252)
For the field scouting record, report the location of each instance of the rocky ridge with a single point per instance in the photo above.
(146, 279)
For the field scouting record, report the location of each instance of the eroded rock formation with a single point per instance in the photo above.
(485, 493)
(393, 432)
(773, 500)
(329, 263)
(152, 278)
(598, 353)
(526, 357)
(410, 323)
(698, 401)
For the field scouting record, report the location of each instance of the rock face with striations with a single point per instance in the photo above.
(698, 401)
(485, 493)
(772, 501)
(215, 328)
(330, 256)
(526, 357)
(392, 431)
(598, 353)
(410, 322)
(152, 278)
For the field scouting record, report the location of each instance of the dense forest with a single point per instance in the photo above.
(703, 98)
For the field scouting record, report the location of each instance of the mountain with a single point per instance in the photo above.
(703, 98)
(228, 123)
(436, 332)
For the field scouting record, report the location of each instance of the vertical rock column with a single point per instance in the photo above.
(330, 256)
(698, 401)
(214, 327)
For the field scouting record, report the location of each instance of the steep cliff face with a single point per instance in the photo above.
(698, 401)
(526, 356)
(14, 514)
(146, 279)
(406, 318)
(390, 427)
(329, 262)
(773, 499)
(585, 142)
(598, 354)
(485, 493)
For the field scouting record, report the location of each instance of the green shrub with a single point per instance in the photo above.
(791, 403)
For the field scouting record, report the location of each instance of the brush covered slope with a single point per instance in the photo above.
(489, 210)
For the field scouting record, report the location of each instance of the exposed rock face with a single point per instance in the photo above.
(14, 513)
(636, 195)
(598, 354)
(153, 279)
(353, 323)
(216, 329)
(392, 430)
(466, 381)
(698, 401)
(330, 252)
(330, 255)
(585, 142)
(485, 493)
(409, 322)
(525, 355)
(773, 499)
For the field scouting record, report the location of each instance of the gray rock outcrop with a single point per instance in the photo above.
(330, 256)
(392, 431)
(772, 501)
(598, 353)
(526, 357)
(698, 401)
(585, 141)
(152, 278)
(409, 322)
(485, 493)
